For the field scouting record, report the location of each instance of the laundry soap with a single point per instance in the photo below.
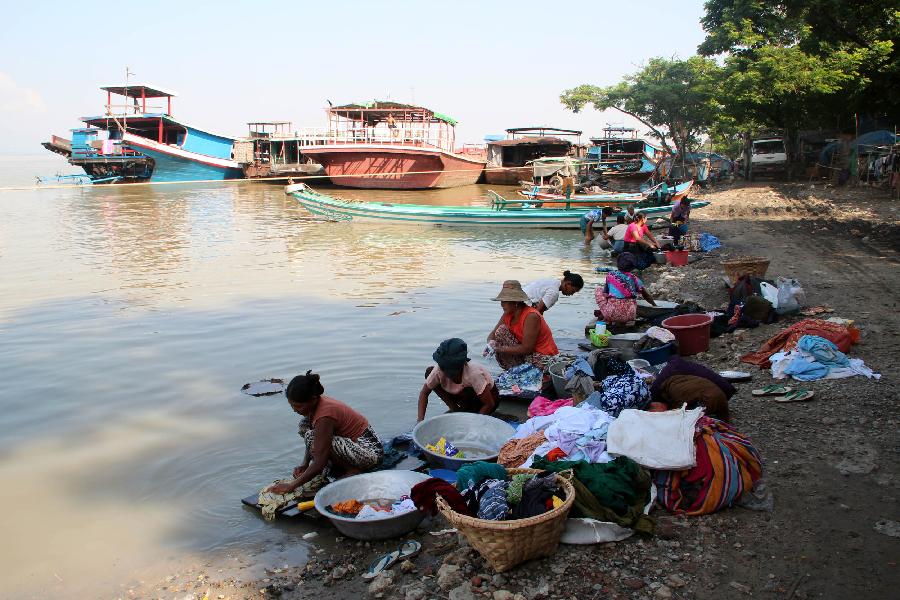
(445, 448)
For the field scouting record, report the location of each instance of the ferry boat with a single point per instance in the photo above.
(621, 152)
(273, 151)
(132, 141)
(389, 145)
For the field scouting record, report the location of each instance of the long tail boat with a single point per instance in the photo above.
(501, 213)
(609, 198)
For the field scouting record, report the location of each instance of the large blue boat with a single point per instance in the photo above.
(132, 141)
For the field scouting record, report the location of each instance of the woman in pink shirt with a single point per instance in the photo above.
(636, 242)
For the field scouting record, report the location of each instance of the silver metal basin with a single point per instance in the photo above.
(389, 485)
(478, 436)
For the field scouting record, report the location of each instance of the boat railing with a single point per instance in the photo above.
(130, 110)
(401, 136)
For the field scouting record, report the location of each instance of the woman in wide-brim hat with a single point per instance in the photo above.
(521, 335)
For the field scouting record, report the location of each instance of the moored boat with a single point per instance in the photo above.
(274, 151)
(389, 145)
(501, 213)
(509, 161)
(609, 198)
(134, 142)
(621, 152)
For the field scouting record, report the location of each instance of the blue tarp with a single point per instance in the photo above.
(882, 137)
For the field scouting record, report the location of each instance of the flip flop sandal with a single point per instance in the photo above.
(408, 549)
(382, 563)
(796, 396)
(773, 390)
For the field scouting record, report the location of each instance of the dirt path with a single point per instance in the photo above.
(830, 463)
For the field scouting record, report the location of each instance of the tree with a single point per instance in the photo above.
(674, 98)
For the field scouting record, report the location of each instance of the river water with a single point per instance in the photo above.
(131, 316)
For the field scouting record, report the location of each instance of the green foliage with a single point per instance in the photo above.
(675, 98)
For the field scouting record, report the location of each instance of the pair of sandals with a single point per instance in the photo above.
(407, 549)
(785, 393)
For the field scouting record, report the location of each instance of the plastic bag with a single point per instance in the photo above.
(769, 292)
(790, 295)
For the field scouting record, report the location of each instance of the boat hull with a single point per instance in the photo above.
(174, 164)
(450, 216)
(508, 176)
(401, 168)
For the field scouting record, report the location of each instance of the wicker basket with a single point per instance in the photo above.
(755, 266)
(506, 544)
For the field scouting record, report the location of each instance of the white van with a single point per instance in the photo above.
(768, 157)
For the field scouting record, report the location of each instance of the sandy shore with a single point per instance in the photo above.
(830, 463)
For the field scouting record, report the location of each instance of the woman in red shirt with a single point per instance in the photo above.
(338, 439)
(521, 335)
(636, 242)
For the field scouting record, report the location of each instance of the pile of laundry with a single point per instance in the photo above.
(523, 380)
(487, 491)
(373, 509)
(816, 358)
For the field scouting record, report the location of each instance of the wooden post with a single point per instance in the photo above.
(169, 109)
(108, 102)
(144, 100)
(160, 136)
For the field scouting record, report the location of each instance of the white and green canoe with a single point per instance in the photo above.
(502, 213)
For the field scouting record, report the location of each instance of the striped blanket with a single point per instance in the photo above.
(727, 466)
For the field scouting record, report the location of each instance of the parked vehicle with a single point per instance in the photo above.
(768, 157)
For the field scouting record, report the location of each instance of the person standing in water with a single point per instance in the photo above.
(544, 293)
(464, 386)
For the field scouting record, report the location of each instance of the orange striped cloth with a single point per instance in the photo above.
(727, 466)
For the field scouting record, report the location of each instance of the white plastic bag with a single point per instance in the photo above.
(790, 295)
(769, 292)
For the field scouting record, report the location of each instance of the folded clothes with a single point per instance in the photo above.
(516, 451)
(656, 440)
(423, 496)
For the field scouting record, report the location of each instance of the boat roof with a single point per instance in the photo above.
(380, 109)
(532, 141)
(540, 130)
(135, 91)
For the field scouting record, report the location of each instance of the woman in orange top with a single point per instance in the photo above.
(521, 335)
(339, 442)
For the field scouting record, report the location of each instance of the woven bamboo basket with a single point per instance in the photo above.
(755, 266)
(505, 544)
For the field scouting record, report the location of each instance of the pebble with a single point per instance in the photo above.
(407, 566)
(381, 583)
(663, 592)
(633, 583)
(503, 595)
(675, 581)
(462, 592)
(449, 576)
(310, 535)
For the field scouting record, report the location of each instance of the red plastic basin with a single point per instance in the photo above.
(691, 332)
(677, 258)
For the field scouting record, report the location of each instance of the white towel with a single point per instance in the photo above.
(656, 440)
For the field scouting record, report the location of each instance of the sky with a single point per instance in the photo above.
(490, 64)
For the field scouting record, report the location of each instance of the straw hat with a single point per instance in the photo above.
(512, 292)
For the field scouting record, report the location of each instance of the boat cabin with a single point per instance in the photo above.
(509, 160)
(146, 111)
(621, 150)
(384, 123)
(273, 149)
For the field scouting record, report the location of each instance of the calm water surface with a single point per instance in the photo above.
(131, 316)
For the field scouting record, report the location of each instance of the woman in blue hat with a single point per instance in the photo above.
(464, 386)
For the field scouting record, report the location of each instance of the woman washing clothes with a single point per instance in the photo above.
(521, 335)
(338, 439)
(544, 293)
(681, 213)
(464, 386)
(617, 298)
(640, 243)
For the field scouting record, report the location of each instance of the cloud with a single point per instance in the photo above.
(15, 98)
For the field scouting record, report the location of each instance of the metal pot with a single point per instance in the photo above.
(478, 436)
(369, 486)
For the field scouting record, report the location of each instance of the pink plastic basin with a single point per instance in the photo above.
(691, 332)
(677, 258)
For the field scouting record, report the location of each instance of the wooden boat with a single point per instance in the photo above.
(393, 146)
(621, 152)
(274, 151)
(508, 161)
(132, 141)
(502, 212)
(607, 199)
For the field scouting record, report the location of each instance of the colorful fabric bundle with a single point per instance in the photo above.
(788, 338)
(493, 505)
(620, 392)
(516, 486)
(727, 466)
(516, 451)
(535, 494)
(423, 495)
(541, 407)
(471, 475)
